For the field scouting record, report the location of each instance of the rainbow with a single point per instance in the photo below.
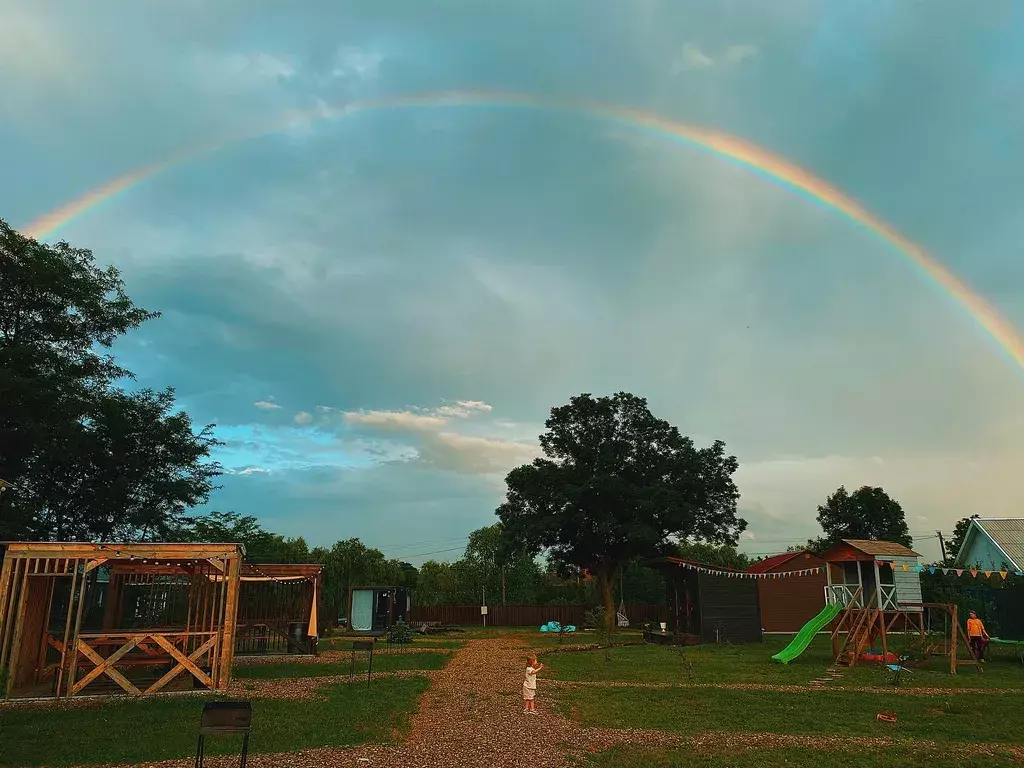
(720, 144)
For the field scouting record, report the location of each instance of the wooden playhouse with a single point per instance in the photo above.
(876, 585)
(82, 619)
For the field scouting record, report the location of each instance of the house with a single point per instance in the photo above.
(709, 603)
(993, 544)
(790, 602)
(865, 573)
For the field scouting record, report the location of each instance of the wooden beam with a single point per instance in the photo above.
(95, 563)
(7, 579)
(84, 551)
(227, 629)
(106, 666)
(19, 621)
(74, 634)
(184, 662)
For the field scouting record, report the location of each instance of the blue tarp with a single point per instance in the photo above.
(554, 626)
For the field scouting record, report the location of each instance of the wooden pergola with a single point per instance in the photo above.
(278, 609)
(82, 619)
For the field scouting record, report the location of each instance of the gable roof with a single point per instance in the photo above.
(880, 548)
(774, 561)
(1007, 533)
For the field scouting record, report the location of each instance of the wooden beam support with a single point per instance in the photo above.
(227, 630)
(184, 662)
(106, 666)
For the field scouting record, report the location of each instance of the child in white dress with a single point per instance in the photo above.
(530, 685)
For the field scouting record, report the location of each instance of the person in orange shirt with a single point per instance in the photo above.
(978, 635)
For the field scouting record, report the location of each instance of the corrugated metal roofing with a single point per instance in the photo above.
(876, 548)
(1008, 534)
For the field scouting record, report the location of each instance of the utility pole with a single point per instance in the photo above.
(942, 545)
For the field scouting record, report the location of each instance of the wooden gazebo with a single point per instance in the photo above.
(278, 609)
(82, 619)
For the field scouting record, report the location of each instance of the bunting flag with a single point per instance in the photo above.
(747, 575)
(932, 569)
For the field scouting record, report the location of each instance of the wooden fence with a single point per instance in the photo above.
(523, 615)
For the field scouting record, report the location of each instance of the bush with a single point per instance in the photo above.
(400, 633)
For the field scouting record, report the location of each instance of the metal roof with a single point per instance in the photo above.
(1007, 533)
(883, 548)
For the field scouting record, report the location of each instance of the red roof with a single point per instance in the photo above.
(763, 566)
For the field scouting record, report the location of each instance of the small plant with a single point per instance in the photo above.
(687, 665)
(400, 633)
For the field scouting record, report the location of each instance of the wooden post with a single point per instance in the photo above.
(73, 645)
(19, 616)
(67, 628)
(955, 636)
(8, 577)
(228, 629)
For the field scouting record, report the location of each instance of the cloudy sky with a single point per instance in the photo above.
(378, 309)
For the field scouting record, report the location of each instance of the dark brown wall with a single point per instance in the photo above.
(729, 610)
(789, 603)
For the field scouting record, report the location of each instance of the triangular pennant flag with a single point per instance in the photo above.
(918, 568)
(931, 569)
(905, 567)
(959, 571)
(988, 574)
(974, 572)
(1003, 574)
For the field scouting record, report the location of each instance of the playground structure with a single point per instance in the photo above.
(278, 609)
(84, 619)
(873, 589)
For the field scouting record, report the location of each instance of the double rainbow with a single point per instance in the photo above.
(720, 144)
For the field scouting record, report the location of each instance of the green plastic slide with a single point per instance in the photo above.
(804, 636)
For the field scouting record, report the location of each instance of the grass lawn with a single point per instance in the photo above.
(753, 664)
(382, 662)
(997, 718)
(165, 728)
(896, 757)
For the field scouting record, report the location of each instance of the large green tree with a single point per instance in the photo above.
(867, 513)
(616, 483)
(90, 459)
(261, 546)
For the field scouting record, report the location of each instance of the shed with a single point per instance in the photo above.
(993, 544)
(709, 603)
(377, 609)
(789, 603)
(278, 609)
(82, 618)
(859, 569)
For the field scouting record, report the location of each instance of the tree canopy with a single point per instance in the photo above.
(90, 457)
(867, 513)
(617, 483)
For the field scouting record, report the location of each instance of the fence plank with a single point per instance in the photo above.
(523, 615)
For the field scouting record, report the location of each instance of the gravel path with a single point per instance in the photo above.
(472, 716)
